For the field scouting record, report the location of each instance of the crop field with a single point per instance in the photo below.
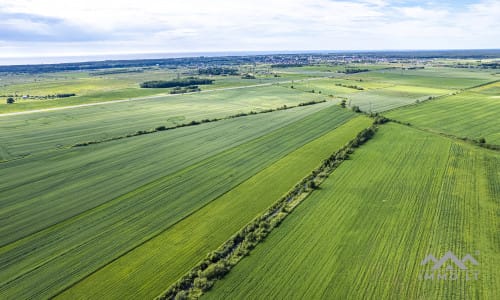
(91, 89)
(468, 114)
(133, 183)
(162, 260)
(326, 86)
(378, 100)
(32, 133)
(445, 78)
(403, 196)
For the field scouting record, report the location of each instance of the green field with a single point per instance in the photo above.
(127, 192)
(382, 99)
(92, 89)
(144, 272)
(32, 133)
(468, 114)
(404, 195)
(445, 78)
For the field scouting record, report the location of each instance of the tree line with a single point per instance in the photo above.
(219, 262)
(176, 82)
(193, 123)
(218, 71)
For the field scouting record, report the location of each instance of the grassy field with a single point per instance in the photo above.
(33, 133)
(403, 196)
(468, 114)
(146, 271)
(442, 78)
(126, 192)
(92, 89)
(378, 100)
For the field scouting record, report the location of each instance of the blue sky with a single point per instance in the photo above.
(61, 27)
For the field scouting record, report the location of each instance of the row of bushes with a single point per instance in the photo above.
(118, 71)
(218, 71)
(219, 262)
(351, 86)
(193, 123)
(354, 70)
(176, 82)
(248, 76)
(51, 96)
(183, 90)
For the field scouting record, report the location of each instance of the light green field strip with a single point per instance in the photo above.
(492, 89)
(148, 270)
(90, 238)
(468, 114)
(402, 196)
(444, 78)
(33, 133)
(392, 96)
(329, 87)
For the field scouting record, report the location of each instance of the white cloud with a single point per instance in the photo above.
(196, 25)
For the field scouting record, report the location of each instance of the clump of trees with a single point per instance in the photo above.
(183, 90)
(218, 71)
(354, 70)
(189, 81)
(248, 76)
(117, 71)
(343, 103)
(351, 86)
(10, 100)
(287, 65)
(356, 109)
(65, 95)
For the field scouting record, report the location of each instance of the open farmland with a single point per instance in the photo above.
(469, 114)
(144, 272)
(445, 78)
(32, 133)
(91, 88)
(403, 196)
(382, 99)
(133, 198)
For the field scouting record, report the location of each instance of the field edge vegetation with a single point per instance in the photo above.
(219, 262)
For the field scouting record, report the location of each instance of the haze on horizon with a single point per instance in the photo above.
(57, 28)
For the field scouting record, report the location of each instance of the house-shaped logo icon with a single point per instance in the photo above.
(449, 256)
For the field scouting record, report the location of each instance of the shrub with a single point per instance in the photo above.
(356, 109)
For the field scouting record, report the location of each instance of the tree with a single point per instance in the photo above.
(342, 103)
(10, 100)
